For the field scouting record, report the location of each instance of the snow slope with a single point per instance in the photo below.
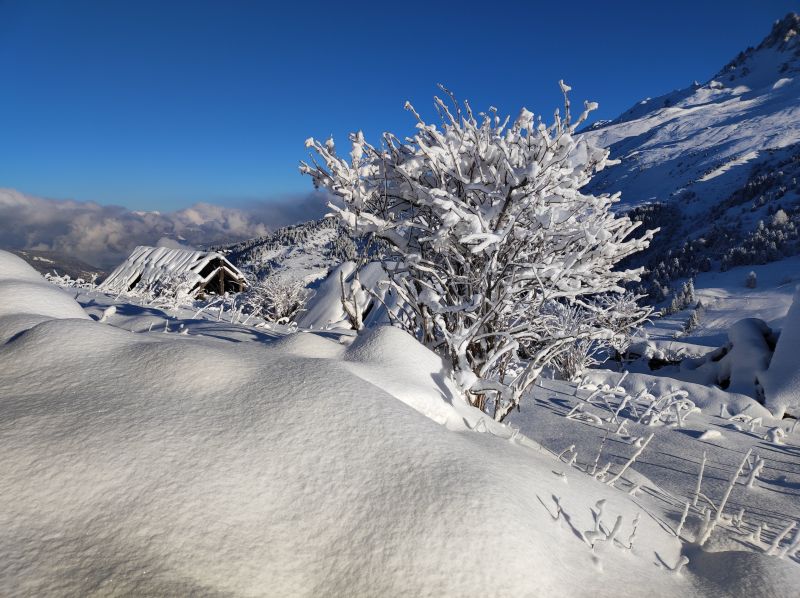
(305, 251)
(159, 463)
(715, 165)
(704, 138)
(155, 464)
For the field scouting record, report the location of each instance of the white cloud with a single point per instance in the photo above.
(103, 235)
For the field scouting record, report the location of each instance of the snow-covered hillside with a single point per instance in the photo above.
(698, 144)
(59, 264)
(715, 164)
(305, 251)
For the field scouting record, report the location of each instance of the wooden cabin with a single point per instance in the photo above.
(210, 271)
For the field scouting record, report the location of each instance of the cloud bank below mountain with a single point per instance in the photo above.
(104, 234)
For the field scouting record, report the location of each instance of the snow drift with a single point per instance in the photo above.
(167, 464)
(781, 381)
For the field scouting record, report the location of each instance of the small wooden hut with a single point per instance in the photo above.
(210, 271)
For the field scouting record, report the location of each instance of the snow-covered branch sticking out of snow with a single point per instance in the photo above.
(699, 480)
(75, 283)
(490, 234)
(709, 526)
(631, 460)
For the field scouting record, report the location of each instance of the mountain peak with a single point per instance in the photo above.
(776, 55)
(784, 33)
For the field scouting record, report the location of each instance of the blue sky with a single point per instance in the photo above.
(158, 105)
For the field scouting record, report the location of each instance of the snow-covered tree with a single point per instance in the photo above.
(683, 299)
(693, 321)
(751, 281)
(486, 225)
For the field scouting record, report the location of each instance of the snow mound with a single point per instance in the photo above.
(738, 365)
(26, 298)
(395, 362)
(392, 347)
(163, 464)
(13, 267)
(309, 345)
(324, 310)
(781, 382)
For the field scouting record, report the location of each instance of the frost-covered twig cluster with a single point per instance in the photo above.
(670, 408)
(66, 281)
(171, 291)
(488, 228)
(276, 299)
(583, 320)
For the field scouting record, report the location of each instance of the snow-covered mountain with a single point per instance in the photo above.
(715, 165)
(710, 162)
(58, 263)
(699, 143)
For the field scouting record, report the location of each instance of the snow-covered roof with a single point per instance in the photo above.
(146, 265)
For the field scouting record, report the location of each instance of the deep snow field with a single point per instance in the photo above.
(151, 453)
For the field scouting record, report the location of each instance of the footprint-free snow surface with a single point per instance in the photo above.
(240, 464)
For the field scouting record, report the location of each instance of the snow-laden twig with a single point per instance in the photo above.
(682, 520)
(793, 546)
(598, 534)
(632, 537)
(775, 435)
(718, 517)
(738, 519)
(755, 471)
(601, 475)
(699, 480)
(569, 449)
(631, 460)
(709, 501)
(773, 549)
(597, 458)
(682, 562)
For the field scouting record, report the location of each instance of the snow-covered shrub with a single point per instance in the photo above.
(584, 352)
(168, 291)
(602, 326)
(486, 225)
(277, 299)
(355, 299)
(751, 281)
(66, 281)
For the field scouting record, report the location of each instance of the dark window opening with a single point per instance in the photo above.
(135, 281)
